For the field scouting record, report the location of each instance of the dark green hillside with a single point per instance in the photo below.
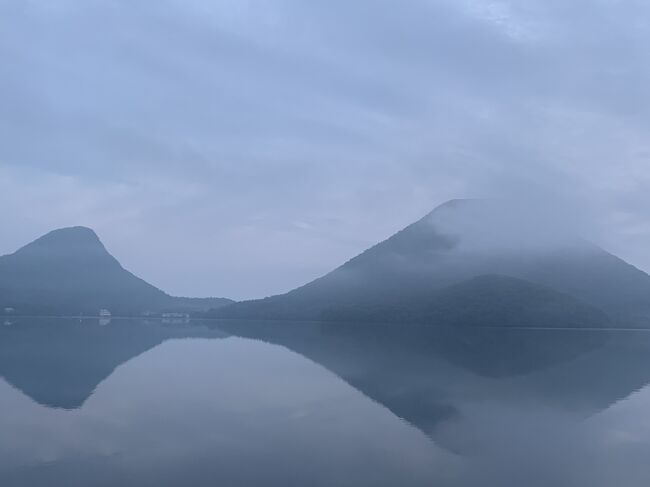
(491, 300)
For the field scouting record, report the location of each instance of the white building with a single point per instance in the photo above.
(175, 318)
(176, 315)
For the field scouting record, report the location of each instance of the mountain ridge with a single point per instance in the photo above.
(69, 271)
(460, 240)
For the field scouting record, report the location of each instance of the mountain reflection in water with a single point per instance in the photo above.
(290, 403)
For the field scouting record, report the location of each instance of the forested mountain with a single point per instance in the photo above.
(69, 271)
(457, 242)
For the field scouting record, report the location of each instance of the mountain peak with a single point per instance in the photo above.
(69, 271)
(66, 239)
(76, 232)
(457, 203)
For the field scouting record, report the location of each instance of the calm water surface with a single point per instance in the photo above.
(134, 403)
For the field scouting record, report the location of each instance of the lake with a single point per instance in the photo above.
(237, 403)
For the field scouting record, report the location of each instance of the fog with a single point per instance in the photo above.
(240, 149)
(506, 226)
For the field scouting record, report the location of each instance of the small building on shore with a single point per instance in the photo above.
(175, 318)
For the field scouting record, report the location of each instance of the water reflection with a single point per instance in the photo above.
(429, 375)
(59, 362)
(272, 403)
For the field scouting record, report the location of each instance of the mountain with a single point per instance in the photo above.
(69, 271)
(490, 300)
(456, 242)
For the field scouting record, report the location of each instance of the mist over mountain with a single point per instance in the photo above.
(479, 262)
(459, 241)
(69, 271)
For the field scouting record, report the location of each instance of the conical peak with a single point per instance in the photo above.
(72, 233)
(490, 224)
(457, 203)
(69, 238)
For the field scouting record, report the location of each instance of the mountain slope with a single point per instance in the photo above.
(489, 300)
(460, 240)
(69, 271)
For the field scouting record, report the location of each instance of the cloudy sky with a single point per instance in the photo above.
(242, 147)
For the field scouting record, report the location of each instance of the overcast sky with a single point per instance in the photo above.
(243, 147)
